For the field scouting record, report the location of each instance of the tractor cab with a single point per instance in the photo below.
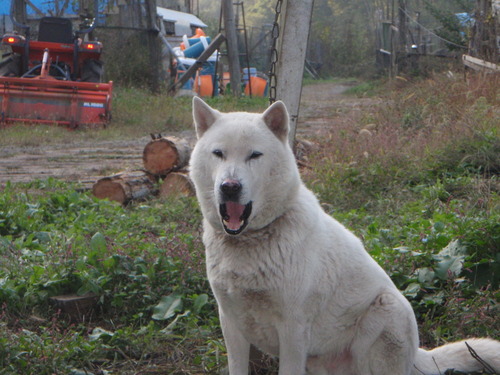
(71, 58)
(55, 78)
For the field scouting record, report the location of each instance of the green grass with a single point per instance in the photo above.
(422, 191)
(136, 113)
(365, 89)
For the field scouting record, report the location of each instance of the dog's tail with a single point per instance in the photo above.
(465, 356)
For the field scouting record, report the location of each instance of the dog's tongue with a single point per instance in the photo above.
(234, 213)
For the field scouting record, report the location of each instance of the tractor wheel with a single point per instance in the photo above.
(11, 66)
(92, 71)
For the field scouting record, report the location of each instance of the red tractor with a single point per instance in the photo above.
(55, 79)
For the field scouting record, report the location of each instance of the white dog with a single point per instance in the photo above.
(290, 279)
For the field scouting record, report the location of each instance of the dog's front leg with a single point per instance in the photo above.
(293, 348)
(238, 348)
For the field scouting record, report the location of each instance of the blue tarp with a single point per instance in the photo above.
(4, 7)
(45, 5)
(465, 19)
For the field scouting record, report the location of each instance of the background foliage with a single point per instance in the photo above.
(343, 33)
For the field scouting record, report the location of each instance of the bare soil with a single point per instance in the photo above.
(321, 106)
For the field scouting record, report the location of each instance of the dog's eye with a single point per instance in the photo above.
(218, 153)
(255, 155)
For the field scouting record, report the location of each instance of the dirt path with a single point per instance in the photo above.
(88, 162)
(83, 163)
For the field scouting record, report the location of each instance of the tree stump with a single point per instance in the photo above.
(166, 154)
(176, 184)
(124, 187)
(77, 308)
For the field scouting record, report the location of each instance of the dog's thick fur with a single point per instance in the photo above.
(287, 277)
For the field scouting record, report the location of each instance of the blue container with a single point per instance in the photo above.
(208, 68)
(196, 49)
(193, 41)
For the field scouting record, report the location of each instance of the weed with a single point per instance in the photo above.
(421, 183)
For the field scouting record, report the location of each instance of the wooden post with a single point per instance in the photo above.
(232, 46)
(394, 48)
(154, 58)
(20, 11)
(402, 26)
(292, 46)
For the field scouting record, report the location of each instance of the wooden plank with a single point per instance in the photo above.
(479, 64)
(193, 68)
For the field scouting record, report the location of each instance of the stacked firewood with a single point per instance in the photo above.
(164, 173)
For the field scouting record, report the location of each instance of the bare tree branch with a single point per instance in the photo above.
(33, 6)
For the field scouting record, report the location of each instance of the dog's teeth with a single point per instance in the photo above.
(226, 222)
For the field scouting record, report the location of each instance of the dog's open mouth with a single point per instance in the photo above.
(235, 216)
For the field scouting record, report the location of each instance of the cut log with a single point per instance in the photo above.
(124, 187)
(176, 184)
(164, 155)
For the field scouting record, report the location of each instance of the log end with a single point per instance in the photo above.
(176, 184)
(160, 156)
(107, 188)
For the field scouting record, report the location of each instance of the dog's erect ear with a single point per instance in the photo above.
(204, 116)
(276, 118)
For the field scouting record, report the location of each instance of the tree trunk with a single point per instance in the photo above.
(164, 155)
(153, 44)
(176, 184)
(124, 187)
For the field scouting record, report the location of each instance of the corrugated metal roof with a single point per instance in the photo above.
(183, 21)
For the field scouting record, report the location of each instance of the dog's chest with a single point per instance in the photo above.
(245, 272)
(249, 293)
(252, 288)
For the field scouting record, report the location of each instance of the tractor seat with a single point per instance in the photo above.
(55, 29)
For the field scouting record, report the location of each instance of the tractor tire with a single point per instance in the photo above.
(11, 66)
(92, 71)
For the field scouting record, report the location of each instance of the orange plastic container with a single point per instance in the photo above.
(258, 86)
(203, 85)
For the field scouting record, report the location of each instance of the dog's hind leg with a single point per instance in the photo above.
(387, 339)
(238, 348)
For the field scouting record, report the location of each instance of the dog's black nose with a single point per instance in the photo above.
(231, 189)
